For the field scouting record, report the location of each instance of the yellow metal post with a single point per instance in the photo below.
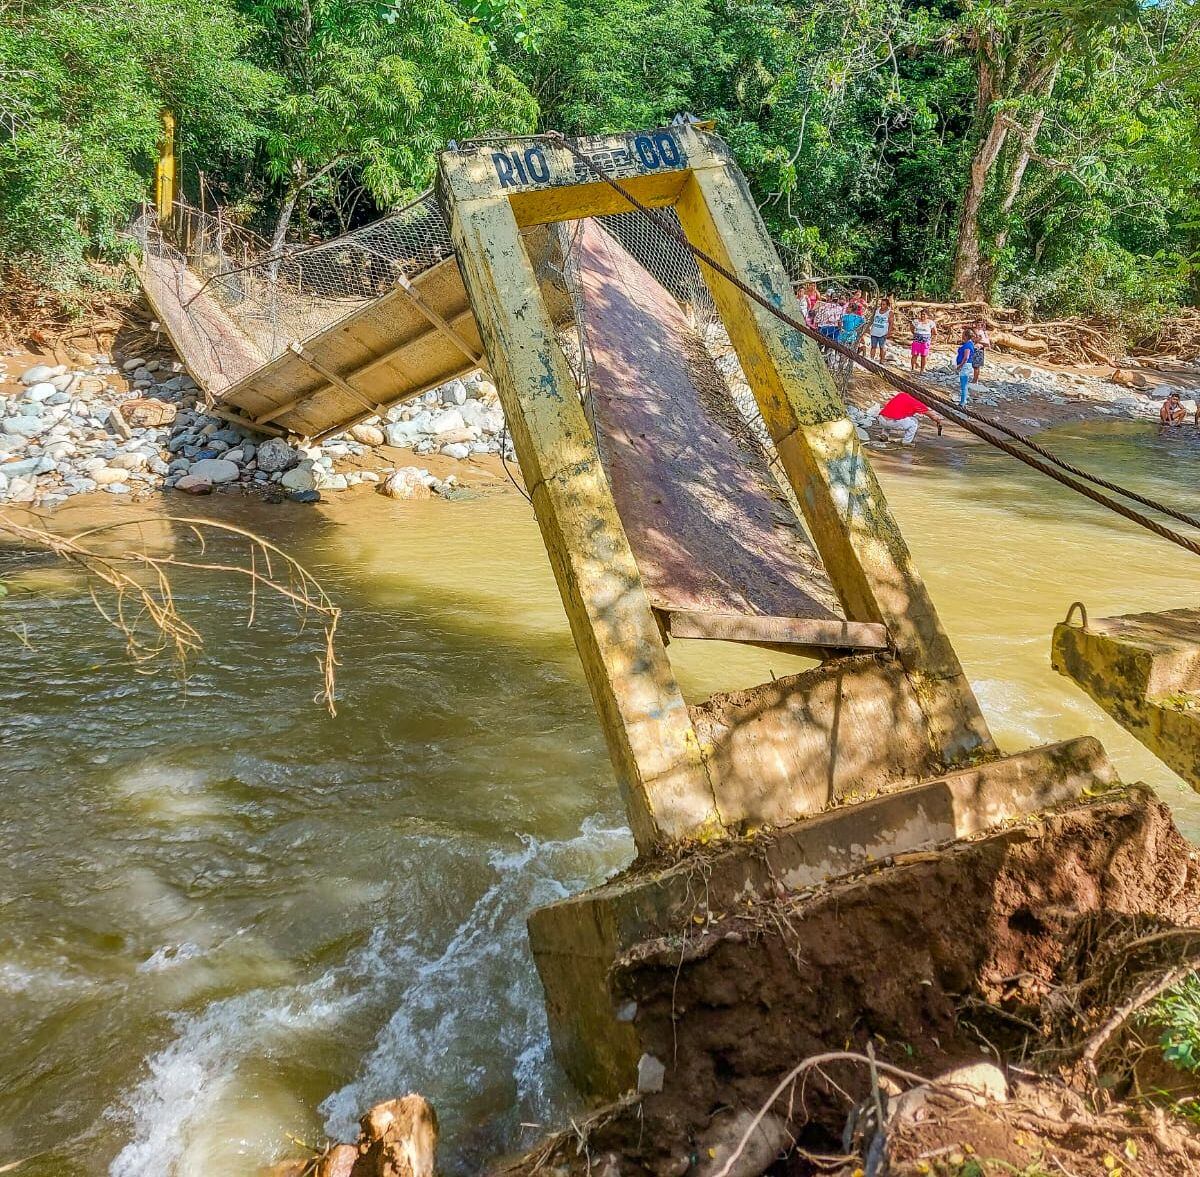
(164, 173)
(849, 519)
(651, 740)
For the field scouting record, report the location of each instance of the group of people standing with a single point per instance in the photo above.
(853, 322)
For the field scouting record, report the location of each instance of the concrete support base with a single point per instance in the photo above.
(1144, 670)
(576, 942)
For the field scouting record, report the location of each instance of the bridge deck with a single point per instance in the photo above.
(413, 338)
(720, 549)
(217, 352)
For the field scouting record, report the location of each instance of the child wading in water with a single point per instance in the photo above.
(881, 328)
(924, 329)
(964, 362)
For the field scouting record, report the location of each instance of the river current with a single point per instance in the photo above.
(228, 918)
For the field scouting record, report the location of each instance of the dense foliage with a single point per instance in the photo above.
(1044, 151)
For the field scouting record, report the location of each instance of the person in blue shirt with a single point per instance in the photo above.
(965, 363)
(852, 325)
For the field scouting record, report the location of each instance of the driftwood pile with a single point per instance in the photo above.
(1072, 340)
(1178, 338)
(397, 1138)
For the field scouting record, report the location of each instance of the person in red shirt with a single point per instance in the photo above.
(902, 414)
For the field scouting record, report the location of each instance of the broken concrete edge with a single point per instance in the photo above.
(1120, 673)
(576, 942)
(699, 941)
(1158, 654)
(1115, 810)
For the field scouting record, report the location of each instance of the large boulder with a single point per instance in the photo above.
(40, 372)
(299, 478)
(406, 483)
(25, 426)
(402, 433)
(370, 435)
(191, 484)
(1129, 379)
(275, 455)
(41, 391)
(448, 421)
(109, 475)
(215, 470)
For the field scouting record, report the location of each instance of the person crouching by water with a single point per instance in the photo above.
(964, 364)
(903, 413)
(924, 328)
(1173, 414)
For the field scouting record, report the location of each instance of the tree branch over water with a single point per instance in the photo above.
(133, 588)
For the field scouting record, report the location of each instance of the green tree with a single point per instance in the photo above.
(613, 65)
(82, 84)
(371, 93)
(1020, 48)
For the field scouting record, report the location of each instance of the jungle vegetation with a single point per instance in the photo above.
(1039, 151)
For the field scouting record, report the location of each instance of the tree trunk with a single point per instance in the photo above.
(970, 281)
(285, 216)
(288, 208)
(1016, 175)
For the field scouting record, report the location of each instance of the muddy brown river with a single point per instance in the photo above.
(228, 918)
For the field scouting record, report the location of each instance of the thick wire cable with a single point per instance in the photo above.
(975, 423)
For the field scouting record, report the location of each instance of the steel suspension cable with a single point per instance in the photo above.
(975, 423)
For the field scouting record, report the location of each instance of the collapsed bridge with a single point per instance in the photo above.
(664, 516)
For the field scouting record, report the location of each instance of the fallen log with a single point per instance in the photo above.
(1006, 341)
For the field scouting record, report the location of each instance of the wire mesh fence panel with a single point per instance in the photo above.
(225, 280)
(673, 266)
(278, 297)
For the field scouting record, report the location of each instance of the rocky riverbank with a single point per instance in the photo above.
(134, 425)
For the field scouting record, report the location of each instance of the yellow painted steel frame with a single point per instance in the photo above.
(164, 172)
(490, 191)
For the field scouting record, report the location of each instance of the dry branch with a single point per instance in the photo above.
(132, 588)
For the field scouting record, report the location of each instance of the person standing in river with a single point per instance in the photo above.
(881, 328)
(964, 364)
(924, 329)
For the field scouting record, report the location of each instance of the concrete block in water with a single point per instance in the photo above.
(1144, 670)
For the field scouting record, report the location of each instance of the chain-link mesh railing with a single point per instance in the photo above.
(275, 297)
(235, 303)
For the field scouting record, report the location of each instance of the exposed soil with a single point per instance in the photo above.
(1013, 947)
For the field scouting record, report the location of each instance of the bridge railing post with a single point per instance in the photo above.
(650, 736)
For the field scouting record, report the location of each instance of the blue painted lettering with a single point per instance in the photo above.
(646, 153)
(535, 161)
(504, 171)
(668, 149)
